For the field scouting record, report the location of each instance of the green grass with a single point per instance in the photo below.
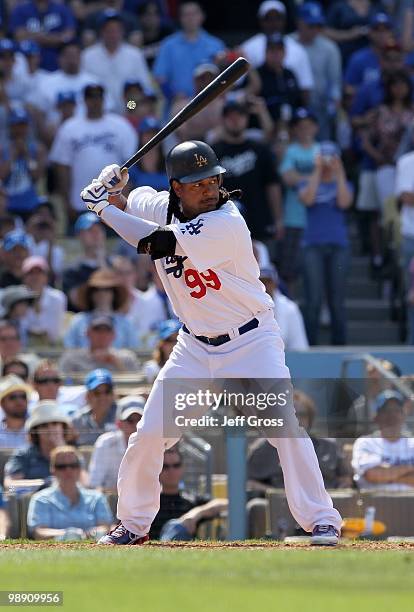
(215, 579)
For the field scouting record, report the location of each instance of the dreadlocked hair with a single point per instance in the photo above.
(174, 209)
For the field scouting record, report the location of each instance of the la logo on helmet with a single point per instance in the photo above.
(200, 160)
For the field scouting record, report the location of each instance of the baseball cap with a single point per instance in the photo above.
(168, 328)
(29, 47)
(147, 91)
(131, 404)
(7, 46)
(66, 96)
(109, 15)
(35, 261)
(301, 114)
(312, 13)
(18, 115)
(271, 5)
(97, 377)
(386, 396)
(206, 68)
(275, 40)
(269, 272)
(380, 19)
(149, 124)
(101, 320)
(234, 105)
(11, 383)
(85, 222)
(16, 237)
(46, 411)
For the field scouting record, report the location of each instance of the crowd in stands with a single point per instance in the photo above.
(318, 136)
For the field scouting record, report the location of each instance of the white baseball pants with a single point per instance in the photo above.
(258, 353)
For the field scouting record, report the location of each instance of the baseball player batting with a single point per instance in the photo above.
(228, 331)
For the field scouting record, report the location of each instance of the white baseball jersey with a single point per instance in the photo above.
(213, 278)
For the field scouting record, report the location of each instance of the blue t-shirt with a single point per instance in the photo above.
(156, 180)
(178, 57)
(301, 159)
(51, 508)
(19, 186)
(56, 18)
(325, 220)
(363, 67)
(2, 504)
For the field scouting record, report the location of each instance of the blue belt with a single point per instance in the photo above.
(223, 338)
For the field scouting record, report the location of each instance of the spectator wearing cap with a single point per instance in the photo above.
(110, 447)
(103, 294)
(22, 164)
(68, 79)
(112, 60)
(385, 459)
(278, 85)
(15, 247)
(360, 419)
(84, 145)
(13, 401)
(183, 51)
(145, 309)
(201, 125)
(287, 313)
(67, 510)
(100, 351)
(46, 22)
(250, 166)
(99, 414)
(91, 235)
(47, 427)
(15, 302)
(297, 165)
(348, 25)
(139, 103)
(272, 19)
(44, 321)
(97, 12)
(42, 228)
(326, 195)
(325, 60)
(150, 170)
(364, 65)
(167, 338)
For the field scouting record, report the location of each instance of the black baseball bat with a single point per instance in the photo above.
(222, 82)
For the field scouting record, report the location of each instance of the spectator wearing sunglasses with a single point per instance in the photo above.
(167, 338)
(110, 447)
(13, 401)
(48, 385)
(66, 510)
(47, 428)
(99, 415)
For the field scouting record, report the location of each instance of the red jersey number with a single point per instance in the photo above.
(200, 281)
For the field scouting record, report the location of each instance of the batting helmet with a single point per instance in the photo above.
(192, 161)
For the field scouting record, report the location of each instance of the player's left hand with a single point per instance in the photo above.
(95, 197)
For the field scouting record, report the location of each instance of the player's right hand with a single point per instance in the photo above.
(113, 178)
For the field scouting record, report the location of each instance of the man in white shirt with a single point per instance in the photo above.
(272, 18)
(385, 459)
(83, 144)
(404, 191)
(113, 56)
(46, 317)
(68, 79)
(110, 447)
(287, 313)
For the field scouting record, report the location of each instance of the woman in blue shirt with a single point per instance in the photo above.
(326, 195)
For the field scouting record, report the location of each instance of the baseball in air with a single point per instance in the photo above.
(131, 104)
